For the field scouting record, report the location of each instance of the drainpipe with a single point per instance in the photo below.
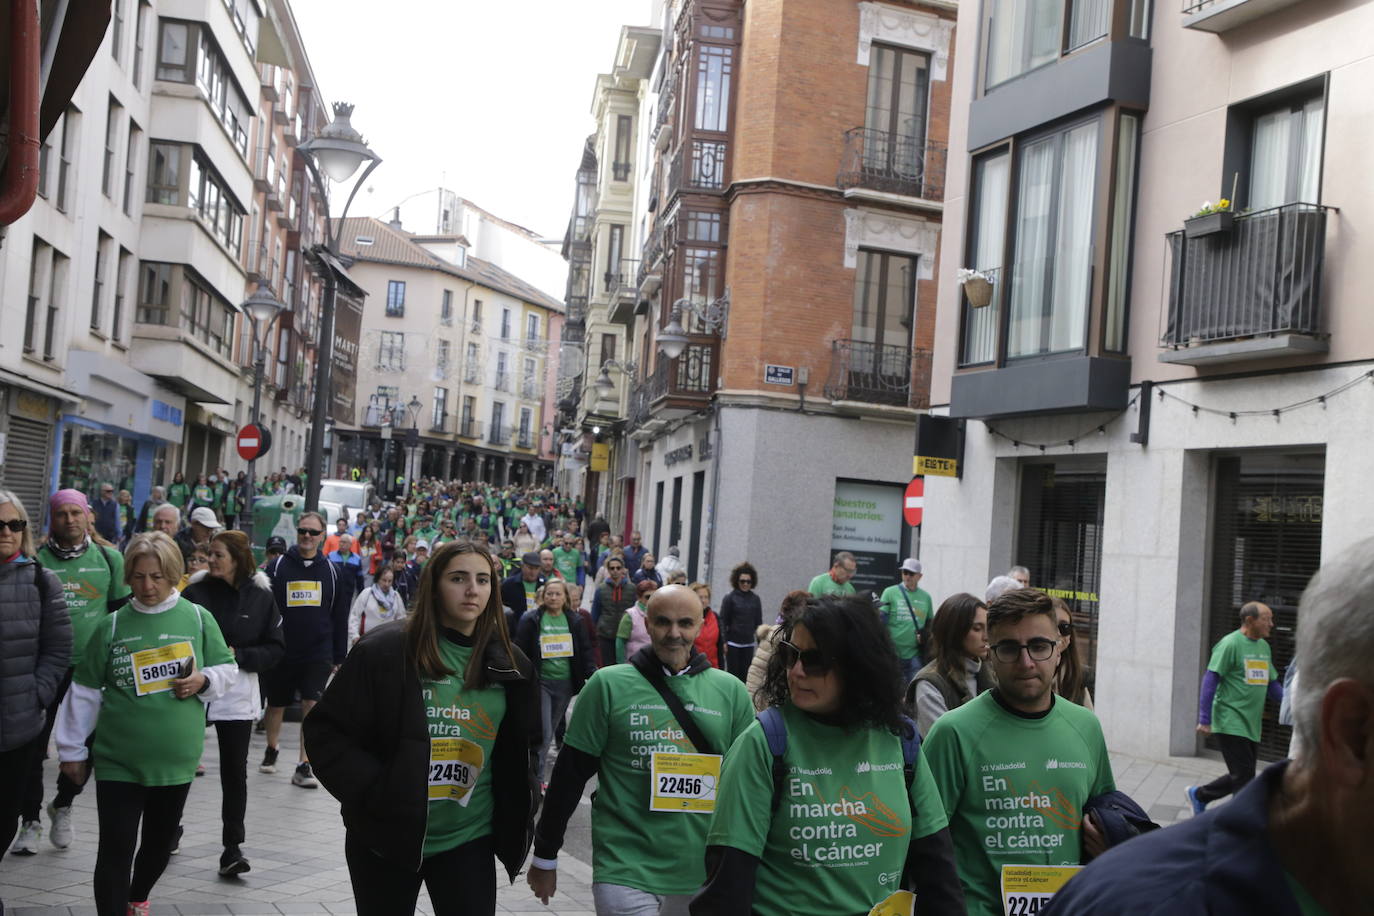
(19, 185)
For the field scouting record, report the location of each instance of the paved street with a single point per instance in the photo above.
(295, 842)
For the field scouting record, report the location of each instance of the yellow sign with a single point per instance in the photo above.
(1256, 671)
(934, 467)
(1027, 889)
(901, 903)
(155, 669)
(684, 783)
(601, 457)
(454, 765)
(555, 645)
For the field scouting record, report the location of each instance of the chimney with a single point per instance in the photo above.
(395, 222)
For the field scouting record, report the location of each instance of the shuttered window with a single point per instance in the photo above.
(1059, 539)
(1266, 545)
(26, 465)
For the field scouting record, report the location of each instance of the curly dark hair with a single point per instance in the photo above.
(847, 631)
(745, 568)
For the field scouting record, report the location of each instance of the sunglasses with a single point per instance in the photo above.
(813, 661)
(745, 580)
(309, 532)
(15, 524)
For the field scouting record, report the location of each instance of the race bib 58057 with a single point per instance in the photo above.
(684, 783)
(155, 669)
(308, 593)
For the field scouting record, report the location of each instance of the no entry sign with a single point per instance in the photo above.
(913, 502)
(251, 442)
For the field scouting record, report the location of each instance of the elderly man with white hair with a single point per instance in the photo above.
(1295, 840)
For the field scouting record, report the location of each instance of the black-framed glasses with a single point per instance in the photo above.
(309, 532)
(1065, 628)
(610, 568)
(15, 524)
(813, 661)
(1009, 651)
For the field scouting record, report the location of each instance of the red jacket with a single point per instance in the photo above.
(711, 641)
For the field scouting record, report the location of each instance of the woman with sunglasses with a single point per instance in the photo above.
(768, 635)
(426, 737)
(844, 816)
(741, 613)
(1071, 679)
(959, 638)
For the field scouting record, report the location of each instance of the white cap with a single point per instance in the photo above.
(912, 565)
(206, 516)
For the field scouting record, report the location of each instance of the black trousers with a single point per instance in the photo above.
(121, 807)
(1240, 755)
(738, 659)
(460, 881)
(32, 780)
(14, 765)
(233, 778)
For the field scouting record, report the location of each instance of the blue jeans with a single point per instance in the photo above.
(909, 668)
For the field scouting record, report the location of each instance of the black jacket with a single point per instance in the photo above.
(368, 741)
(513, 592)
(741, 614)
(314, 633)
(35, 648)
(247, 616)
(583, 661)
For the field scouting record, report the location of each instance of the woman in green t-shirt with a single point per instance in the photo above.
(178, 493)
(142, 685)
(825, 804)
(426, 737)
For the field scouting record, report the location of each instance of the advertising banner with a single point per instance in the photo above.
(868, 523)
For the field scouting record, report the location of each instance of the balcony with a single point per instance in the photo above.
(638, 414)
(439, 423)
(292, 133)
(888, 163)
(576, 310)
(623, 291)
(267, 74)
(1223, 15)
(678, 387)
(698, 167)
(470, 428)
(499, 435)
(503, 382)
(264, 169)
(869, 373)
(530, 391)
(1253, 292)
(524, 439)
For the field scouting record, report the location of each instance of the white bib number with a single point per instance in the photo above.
(1256, 671)
(308, 593)
(454, 765)
(555, 645)
(684, 783)
(1028, 889)
(155, 669)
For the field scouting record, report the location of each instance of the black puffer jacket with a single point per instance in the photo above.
(35, 649)
(583, 661)
(247, 616)
(368, 741)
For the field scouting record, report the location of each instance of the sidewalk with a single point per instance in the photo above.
(295, 843)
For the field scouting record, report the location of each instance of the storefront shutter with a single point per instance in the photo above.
(27, 464)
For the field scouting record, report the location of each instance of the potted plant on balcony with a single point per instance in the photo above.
(1210, 219)
(977, 286)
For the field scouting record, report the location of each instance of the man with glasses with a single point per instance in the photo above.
(906, 609)
(1014, 766)
(568, 560)
(835, 581)
(612, 599)
(314, 613)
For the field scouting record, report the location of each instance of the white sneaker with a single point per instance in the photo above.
(304, 777)
(26, 844)
(60, 834)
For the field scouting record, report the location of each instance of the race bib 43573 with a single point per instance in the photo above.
(308, 593)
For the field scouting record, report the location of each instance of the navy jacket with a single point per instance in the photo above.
(315, 632)
(1219, 863)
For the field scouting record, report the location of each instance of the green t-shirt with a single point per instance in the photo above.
(89, 582)
(1014, 788)
(178, 493)
(567, 561)
(1245, 669)
(429, 535)
(462, 732)
(554, 669)
(204, 494)
(621, 719)
(895, 603)
(1307, 904)
(838, 840)
(154, 739)
(824, 585)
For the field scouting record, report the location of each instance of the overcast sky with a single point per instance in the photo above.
(491, 100)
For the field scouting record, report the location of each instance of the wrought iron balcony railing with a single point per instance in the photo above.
(878, 374)
(499, 435)
(698, 165)
(883, 161)
(470, 428)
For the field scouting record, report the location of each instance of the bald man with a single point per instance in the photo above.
(631, 722)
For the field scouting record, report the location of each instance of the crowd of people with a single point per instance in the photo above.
(468, 660)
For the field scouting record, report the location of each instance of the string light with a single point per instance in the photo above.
(1100, 429)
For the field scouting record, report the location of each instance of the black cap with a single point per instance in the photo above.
(276, 542)
(531, 559)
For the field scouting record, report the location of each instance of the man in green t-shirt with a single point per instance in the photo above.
(1239, 676)
(906, 610)
(568, 559)
(648, 854)
(1015, 766)
(835, 581)
(92, 580)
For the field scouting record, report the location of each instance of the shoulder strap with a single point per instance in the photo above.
(40, 582)
(654, 676)
(909, 609)
(775, 732)
(112, 604)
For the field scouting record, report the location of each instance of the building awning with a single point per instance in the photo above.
(20, 380)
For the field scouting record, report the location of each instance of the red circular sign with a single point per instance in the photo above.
(251, 442)
(913, 501)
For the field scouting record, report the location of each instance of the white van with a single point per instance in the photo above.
(344, 498)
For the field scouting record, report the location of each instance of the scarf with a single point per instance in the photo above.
(385, 606)
(68, 553)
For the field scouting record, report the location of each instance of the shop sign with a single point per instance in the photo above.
(166, 412)
(779, 375)
(867, 522)
(601, 457)
(32, 406)
(678, 454)
(939, 446)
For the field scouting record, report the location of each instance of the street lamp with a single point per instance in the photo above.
(336, 151)
(672, 338)
(604, 385)
(413, 408)
(262, 309)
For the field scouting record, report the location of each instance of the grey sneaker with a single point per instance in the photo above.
(26, 844)
(60, 833)
(269, 761)
(304, 777)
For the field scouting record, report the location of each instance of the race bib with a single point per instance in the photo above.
(555, 645)
(684, 783)
(454, 765)
(901, 903)
(1028, 889)
(304, 594)
(155, 669)
(1256, 671)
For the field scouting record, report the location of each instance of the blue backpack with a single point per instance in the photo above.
(775, 731)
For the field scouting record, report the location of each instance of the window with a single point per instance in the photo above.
(469, 412)
(498, 433)
(103, 244)
(395, 298)
(473, 365)
(33, 311)
(173, 54)
(502, 376)
(117, 28)
(476, 314)
(614, 246)
(607, 347)
(57, 286)
(703, 225)
(1286, 154)
(121, 280)
(1025, 34)
(187, 53)
(505, 324)
(140, 38)
(164, 173)
(391, 352)
(209, 196)
(715, 67)
(440, 417)
(205, 316)
(895, 115)
(441, 358)
(107, 176)
(885, 301)
(446, 307)
(526, 420)
(45, 163)
(66, 150)
(529, 388)
(532, 328)
(154, 293)
(624, 138)
(1123, 205)
(130, 166)
(700, 275)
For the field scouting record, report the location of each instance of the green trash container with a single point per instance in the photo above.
(277, 515)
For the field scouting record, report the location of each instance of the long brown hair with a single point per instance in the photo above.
(951, 624)
(422, 626)
(236, 543)
(1071, 681)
